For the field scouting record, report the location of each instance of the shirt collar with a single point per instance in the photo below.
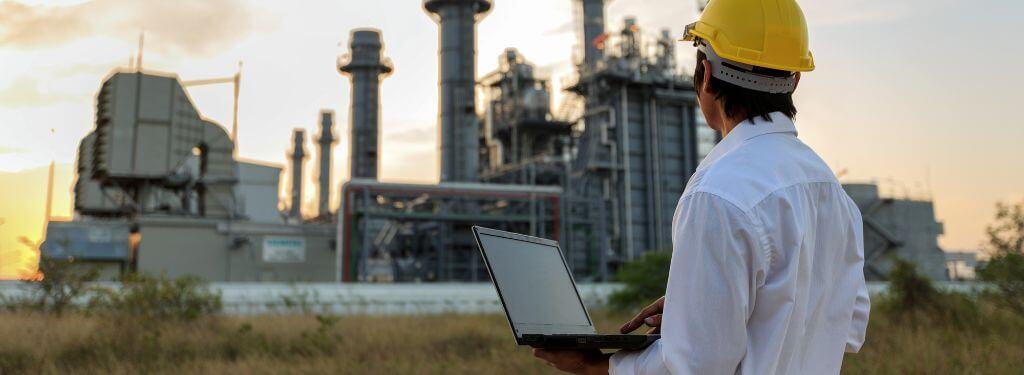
(746, 130)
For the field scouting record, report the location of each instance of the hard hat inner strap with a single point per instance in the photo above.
(741, 74)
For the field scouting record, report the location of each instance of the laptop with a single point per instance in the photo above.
(539, 295)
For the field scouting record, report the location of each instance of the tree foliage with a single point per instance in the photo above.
(645, 279)
(63, 283)
(1005, 268)
(909, 290)
(912, 297)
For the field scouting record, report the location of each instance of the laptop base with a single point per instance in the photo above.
(586, 341)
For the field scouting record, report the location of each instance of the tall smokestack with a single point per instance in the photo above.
(593, 27)
(460, 154)
(365, 66)
(298, 156)
(326, 142)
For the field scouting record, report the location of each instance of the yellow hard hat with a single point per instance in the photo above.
(765, 33)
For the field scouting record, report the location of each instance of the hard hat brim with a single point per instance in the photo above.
(702, 31)
(687, 33)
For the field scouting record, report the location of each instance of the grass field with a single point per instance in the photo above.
(75, 343)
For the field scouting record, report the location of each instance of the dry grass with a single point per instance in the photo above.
(920, 343)
(35, 343)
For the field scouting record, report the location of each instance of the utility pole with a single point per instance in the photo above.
(138, 58)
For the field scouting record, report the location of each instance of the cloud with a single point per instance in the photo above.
(11, 150)
(90, 69)
(859, 12)
(557, 67)
(192, 27)
(413, 136)
(565, 28)
(854, 12)
(24, 92)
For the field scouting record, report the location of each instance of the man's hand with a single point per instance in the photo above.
(575, 361)
(650, 315)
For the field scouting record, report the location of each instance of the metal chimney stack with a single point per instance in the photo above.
(593, 27)
(326, 142)
(460, 154)
(365, 66)
(297, 156)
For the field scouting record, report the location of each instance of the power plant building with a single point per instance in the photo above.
(160, 190)
(898, 228)
(615, 169)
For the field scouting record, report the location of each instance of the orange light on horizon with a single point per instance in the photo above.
(21, 264)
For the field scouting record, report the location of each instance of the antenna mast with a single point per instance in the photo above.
(138, 59)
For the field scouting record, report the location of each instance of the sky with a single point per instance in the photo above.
(918, 95)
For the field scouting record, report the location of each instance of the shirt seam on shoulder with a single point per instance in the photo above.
(787, 185)
(757, 223)
(732, 202)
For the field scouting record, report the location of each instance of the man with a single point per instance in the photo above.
(767, 265)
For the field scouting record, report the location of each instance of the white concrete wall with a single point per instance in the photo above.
(389, 299)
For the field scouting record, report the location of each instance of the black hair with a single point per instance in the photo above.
(739, 101)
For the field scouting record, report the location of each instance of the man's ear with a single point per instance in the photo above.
(705, 84)
(797, 83)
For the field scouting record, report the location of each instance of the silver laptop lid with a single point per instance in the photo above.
(534, 284)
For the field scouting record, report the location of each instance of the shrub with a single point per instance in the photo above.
(1005, 268)
(321, 341)
(909, 290)
(1006, 273)
(63, 283)
(912, 296)
(645, 279)
(149, 297)
(246, 342)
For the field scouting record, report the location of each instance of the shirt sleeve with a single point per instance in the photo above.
(717, 262)
(862, 304)
(859, 325)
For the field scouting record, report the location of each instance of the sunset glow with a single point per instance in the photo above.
(900, 112)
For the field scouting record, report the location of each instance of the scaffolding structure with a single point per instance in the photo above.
(418, 232)
(601, 176)
(638, 141)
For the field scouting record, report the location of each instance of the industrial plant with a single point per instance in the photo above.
(161, 189)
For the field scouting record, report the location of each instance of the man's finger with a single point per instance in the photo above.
(638, 320)
(653, 320)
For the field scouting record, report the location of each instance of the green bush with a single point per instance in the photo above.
(149, 297)
(1006, 273)
(645, 279)
(1005, 268)
(909, 290)
(63, 282)
(912, 296)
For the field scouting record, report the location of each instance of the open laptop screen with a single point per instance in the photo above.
(535, 285)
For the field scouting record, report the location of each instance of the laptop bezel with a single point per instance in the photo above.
(533, 328)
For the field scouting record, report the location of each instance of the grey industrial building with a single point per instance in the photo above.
(904, 228)
(159, 188)
(602, 175)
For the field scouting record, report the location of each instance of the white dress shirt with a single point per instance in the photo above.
(767, 264)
